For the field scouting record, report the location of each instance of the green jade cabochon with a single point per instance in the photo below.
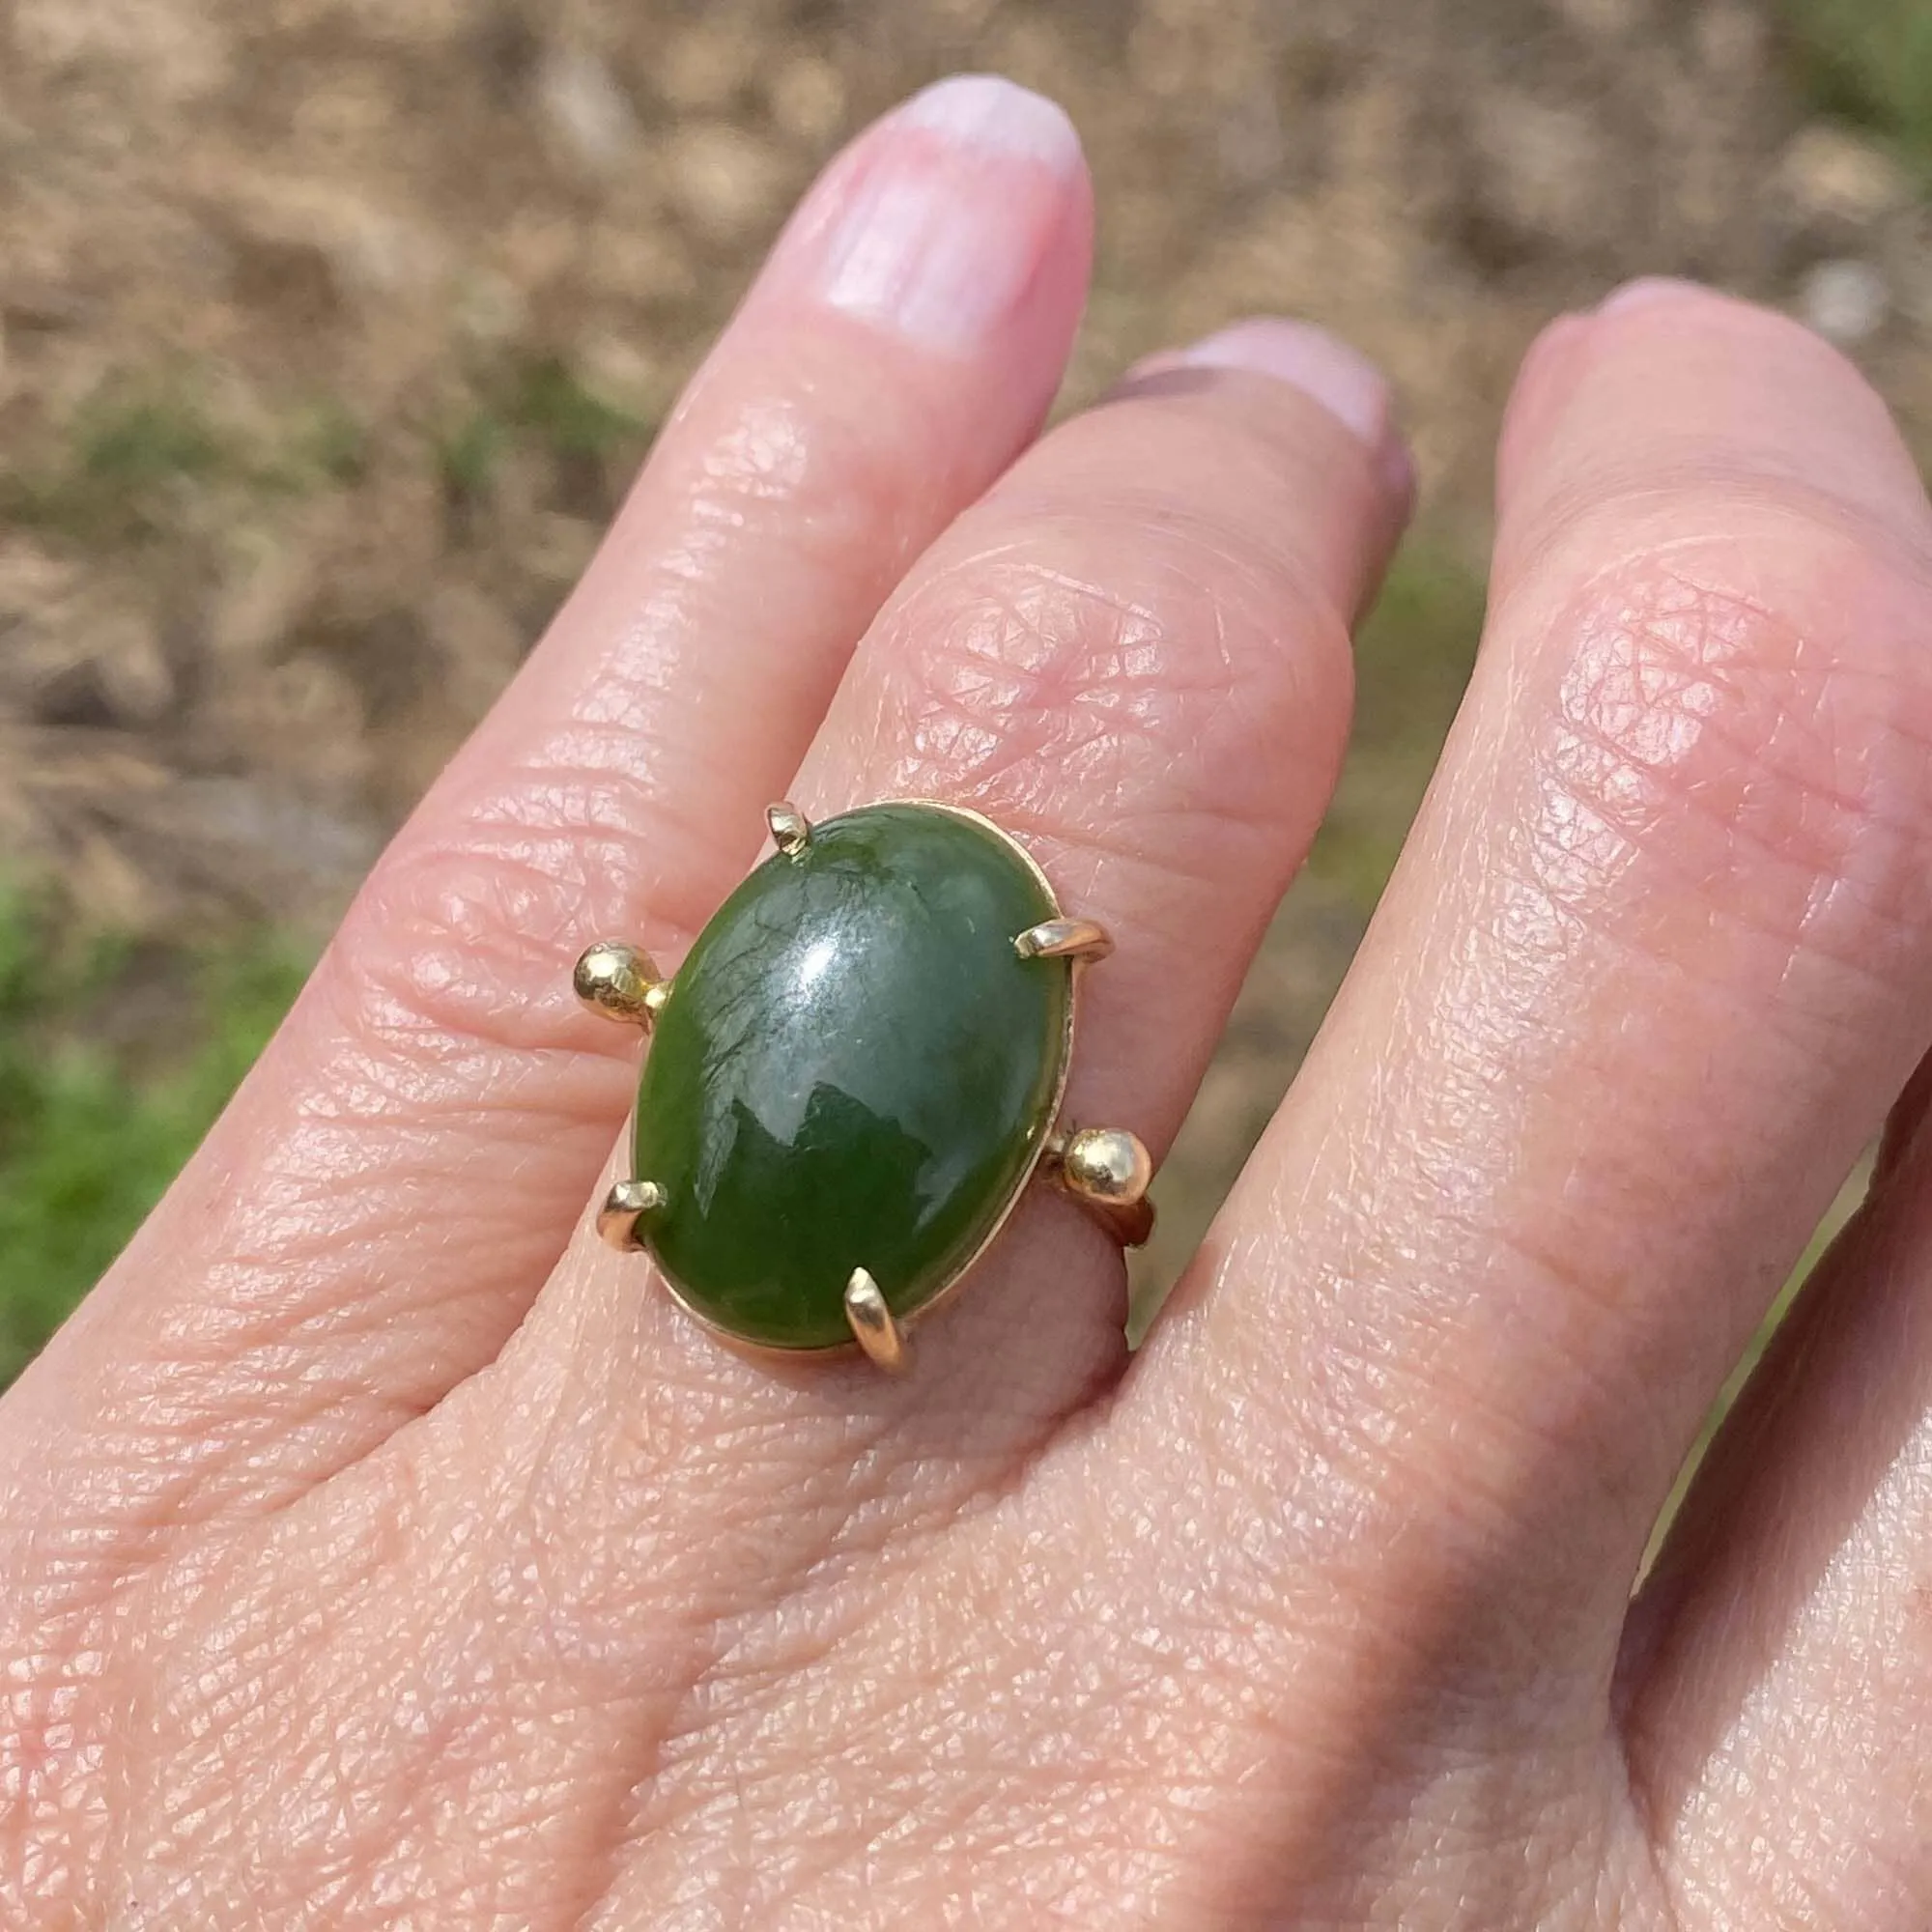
(854, 1070)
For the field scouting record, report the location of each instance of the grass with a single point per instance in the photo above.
(541, 403)
(550, 401)
(91, 1134)
(1412, 659)
(1850, 1197)
(127, 446)
(135, 455)
(132, 452)
(1868, 62)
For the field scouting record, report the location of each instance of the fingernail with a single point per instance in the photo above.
(939, 227)
(1651, 292)
(1322, 366)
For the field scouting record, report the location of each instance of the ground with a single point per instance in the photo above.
(330, 332)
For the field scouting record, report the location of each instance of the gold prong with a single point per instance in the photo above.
(620, 983)
(792, 830)
(624, 1206)
(872, 1325)
(1107, 1170)
(1064, 939)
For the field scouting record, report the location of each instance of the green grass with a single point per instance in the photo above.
(133, 452)
(540, 404)
(1412, 659)
(1840, 1211)
(471, 453)
(125, 460)
(1868, 62)
(139, 454)
(91, 1134)
(127, 446)
(549, 400)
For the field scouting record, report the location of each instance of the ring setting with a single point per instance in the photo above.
(853, 1077)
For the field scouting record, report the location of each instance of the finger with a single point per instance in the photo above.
(1648, 976)
(1779, 1666)
(370, 1218)
(1133, 653)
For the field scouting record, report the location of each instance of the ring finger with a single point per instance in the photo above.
(1133, 655)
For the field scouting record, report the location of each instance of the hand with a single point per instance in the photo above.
(379, 1550)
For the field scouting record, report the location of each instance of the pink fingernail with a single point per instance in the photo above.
(1322, 366)
(1651, 292)
(938, 227)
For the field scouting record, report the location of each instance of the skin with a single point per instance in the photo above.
(378, 1550)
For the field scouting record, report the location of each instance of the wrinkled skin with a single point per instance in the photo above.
(376, 1549)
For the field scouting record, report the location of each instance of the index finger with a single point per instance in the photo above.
(373, 1214)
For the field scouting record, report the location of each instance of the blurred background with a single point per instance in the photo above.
(331, 330)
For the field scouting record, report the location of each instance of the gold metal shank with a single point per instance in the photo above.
(619, 982)
(624, 1206)
(792, 830)
(1064, 939)
(873, 1327)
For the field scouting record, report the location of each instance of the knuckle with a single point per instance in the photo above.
(466, 930)
(458, 943)
(1137, 657)
(1752, 708)
(815, 446)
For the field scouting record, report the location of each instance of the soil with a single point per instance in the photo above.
(330, 332)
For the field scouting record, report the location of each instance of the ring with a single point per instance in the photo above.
(853, 1075)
